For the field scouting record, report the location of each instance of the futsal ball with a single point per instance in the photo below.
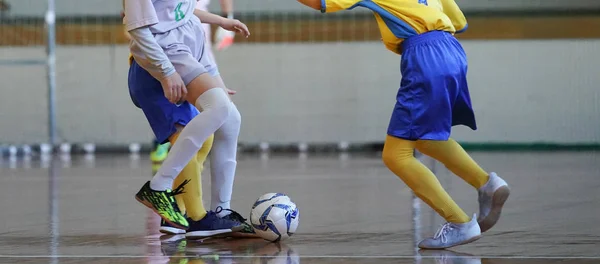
(274, 217)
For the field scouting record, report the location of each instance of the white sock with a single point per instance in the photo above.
(215, 105)
(223, 161)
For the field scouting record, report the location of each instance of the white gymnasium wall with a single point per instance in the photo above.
(523, 91)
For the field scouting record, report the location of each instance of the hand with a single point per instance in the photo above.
(223, 39)
(235, 26)
(174, 88)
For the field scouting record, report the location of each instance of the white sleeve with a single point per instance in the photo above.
(138, 13)
(157, 60)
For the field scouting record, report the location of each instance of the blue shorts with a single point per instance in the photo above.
(146, 93)
(433, 94)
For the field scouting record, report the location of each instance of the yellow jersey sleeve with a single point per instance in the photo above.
(451, 9)
(330, 6)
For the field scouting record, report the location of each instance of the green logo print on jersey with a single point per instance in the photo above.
(179, 15)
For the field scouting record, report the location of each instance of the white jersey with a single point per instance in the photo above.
(203, 5)
(160, 15)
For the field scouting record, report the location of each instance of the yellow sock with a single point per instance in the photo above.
(398, 156)
(204, 151)
(456, 159)
(190, 201)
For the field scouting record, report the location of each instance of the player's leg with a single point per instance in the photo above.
(219, 112)
(224, 149)
(456, 159)
(190, 202)
(493, 190)
(192, 196)
(223, 159)
(223, 167)
(224, 152)
(195, 166)
(159, 151)
(206, 95)
(163, 117)
(398, 156)
(223, 156)
(202, 223)
(207, 224)
(423, 111)
(215, 106)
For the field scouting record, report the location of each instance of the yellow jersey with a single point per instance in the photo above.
(401, 19)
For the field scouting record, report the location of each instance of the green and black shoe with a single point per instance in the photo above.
(247, 229)
(163, 203)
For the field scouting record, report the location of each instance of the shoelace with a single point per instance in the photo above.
(233, 214)
(180, 188)
(441, 234)
(215, 217)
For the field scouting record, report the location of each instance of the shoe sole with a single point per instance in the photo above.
(171, 230)
(498, 199)
(211, 233)
(149, 205)
(171, 238)
(475, 238)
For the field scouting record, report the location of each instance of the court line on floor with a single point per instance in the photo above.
(303, 256)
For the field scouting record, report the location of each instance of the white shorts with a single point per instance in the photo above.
(186, 48)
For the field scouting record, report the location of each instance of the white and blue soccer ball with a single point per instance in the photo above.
(274, 217)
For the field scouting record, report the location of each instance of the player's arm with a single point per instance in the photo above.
(153, 53)
(224, 38)
(329, 6)
(139, 15)
(457, 17)
(227, 8)
(209, 18)
(226, 23)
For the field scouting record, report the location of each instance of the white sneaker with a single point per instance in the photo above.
(492, 197)
(452, 234)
